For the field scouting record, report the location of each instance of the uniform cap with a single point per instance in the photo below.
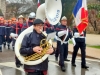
(38, 21)
(21, 16)
(32, 15)
(64, 18)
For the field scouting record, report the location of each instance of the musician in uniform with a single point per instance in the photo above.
(7, 32)
(63, 35)
(30, 21)
(15, 31)
(2, 33)
(48, 27)
(80, 43)
(31, 18)
(30, 45)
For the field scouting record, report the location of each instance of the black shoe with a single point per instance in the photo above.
(67, 60)
(84, 66)
(73, 64)
(56, 58)
(18, 65)
(63, 68)
(0, 50)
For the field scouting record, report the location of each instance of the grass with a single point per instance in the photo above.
(94, 46)
(98, 47)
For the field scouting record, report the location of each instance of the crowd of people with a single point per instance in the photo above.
(10, 29)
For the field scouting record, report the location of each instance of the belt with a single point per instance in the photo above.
(2, 26)
(8, 27)
(79, 37)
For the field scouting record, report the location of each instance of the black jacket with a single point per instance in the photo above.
(31, 40)
(62, 28)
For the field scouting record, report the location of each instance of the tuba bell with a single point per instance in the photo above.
(45, 10)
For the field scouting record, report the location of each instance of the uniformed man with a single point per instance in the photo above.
(8, 28)
(2, 33)
(80, 43)
(15, 31)
(63, 34)
(31, 18)
(48, 27)
(13, 24)
(30, 21)
(30, 45)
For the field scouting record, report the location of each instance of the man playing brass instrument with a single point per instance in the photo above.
(31, 45)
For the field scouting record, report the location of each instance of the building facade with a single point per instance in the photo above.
(3, 7)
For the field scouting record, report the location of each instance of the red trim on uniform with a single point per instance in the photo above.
(60, 29)
(28, 70)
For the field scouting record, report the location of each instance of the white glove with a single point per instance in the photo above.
(61, 33)
(13, 35)
(74, 43)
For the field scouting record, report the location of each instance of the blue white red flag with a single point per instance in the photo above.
(81, 15)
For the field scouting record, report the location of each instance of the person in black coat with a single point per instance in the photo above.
(30, 21)
(48, 27)
(80, 39)
(15, 31)
(7, 32)
(30, 45)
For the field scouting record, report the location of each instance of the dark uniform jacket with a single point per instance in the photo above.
(2, 29)
(49, 28)
(17, 29)
(26, 25)
(31, 40)
(61, 28)
(7, 30)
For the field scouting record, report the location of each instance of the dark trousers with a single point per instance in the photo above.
(57, 50)
(63, 51)
(1, 41)
(4, 40)
(17, 62)
(82, 46)
(8, 40)
(13, 42)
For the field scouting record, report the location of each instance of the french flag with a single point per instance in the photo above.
(38, 4)
(80, 14)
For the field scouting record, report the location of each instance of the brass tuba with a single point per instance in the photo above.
(52, 13)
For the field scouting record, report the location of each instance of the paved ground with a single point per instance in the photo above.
(7, 66)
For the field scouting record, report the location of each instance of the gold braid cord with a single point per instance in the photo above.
(43, 44)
